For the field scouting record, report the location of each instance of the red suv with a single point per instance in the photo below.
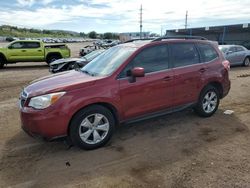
(126, 83)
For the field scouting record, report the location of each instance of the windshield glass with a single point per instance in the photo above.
(92, 55)
(108, 61)
(223, 49)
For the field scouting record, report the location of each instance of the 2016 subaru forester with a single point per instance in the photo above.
(128, 82)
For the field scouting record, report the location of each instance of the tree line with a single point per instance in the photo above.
(13, 31)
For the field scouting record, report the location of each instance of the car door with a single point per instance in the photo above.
(231, 55)
(241, 54)
(16, 51)
(154, 91)
(187, 72)
(34, 51)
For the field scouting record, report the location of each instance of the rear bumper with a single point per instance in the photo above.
(226, 88)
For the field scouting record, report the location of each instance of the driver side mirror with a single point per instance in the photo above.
(136, 72)
(10, 47)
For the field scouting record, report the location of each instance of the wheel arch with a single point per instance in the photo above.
(109, 106)
(217, 85)
(50, 54)
(3, 56)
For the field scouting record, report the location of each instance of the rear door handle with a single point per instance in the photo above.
(167, 78)
(23, 50)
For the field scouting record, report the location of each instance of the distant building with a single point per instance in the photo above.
(226, 34)
(132, 35)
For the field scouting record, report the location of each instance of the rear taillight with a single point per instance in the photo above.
(226, 64)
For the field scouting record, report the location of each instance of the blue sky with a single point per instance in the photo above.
(121, 15)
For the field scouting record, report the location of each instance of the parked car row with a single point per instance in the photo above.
(50, 40)
(124, 84)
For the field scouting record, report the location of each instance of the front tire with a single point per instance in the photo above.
(208, 102)
(246, 62)
(92, 127)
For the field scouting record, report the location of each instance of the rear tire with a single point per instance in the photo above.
(246, 62)
(208, 102)
(2, 62)
(92, 127)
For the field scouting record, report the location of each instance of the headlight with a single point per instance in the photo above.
(44, 101)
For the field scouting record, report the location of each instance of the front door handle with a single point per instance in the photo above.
(167, 78)
(23, 50)
(202, 70)
(39, 50)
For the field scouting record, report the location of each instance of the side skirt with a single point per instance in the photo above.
(159, 113)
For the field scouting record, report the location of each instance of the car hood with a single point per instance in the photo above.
(64, 81)
(66, 60)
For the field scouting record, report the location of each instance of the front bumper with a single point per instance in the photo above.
(41, 124)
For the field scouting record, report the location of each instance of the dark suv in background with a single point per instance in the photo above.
(126, 83)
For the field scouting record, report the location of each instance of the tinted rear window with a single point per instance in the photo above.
(32, 45)
(184, 54)
(208, 53)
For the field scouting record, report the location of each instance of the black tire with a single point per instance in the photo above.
(208, 110)
(246, 62)
(77, 127)
(2, 62)
(52, 58)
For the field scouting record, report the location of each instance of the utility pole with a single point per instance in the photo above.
(186, 20)
(141, 22)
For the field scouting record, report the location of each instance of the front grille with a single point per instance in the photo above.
(23, 98)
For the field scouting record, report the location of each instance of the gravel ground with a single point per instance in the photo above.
(177, 150)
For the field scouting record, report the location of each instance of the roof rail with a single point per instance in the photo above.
(179, 37)
(132, 40)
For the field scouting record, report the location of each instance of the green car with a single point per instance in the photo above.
(32, 51)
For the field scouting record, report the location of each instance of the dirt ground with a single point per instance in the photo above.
(177, 150)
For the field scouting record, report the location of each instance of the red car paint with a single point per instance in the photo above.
(154, 92)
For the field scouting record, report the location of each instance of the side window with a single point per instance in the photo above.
(152, 59)
(17, 45)
(232, 49)
(32, 45)
(239, 49)
(184, 54)
(207, 52)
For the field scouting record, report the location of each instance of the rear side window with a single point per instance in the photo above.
(239, 49)
(184, 54)
(152, 59)
(208, 53)
(32, 45)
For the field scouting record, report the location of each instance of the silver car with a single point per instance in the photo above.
(236, 54)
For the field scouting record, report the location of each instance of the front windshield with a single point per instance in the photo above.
(223, 49)
(108, 61)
